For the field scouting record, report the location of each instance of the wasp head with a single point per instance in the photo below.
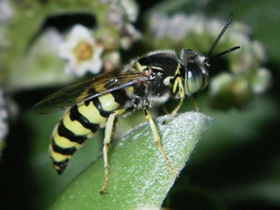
(196, 65)
(196, 71)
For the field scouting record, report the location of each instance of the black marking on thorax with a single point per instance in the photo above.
(165, 60)
(99, 107)
(121, 97)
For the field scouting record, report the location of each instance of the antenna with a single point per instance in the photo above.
(217, 40)
(223, 53)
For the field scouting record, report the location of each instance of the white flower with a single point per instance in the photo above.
(3, 123)
(176, 27)
(81, 51)
(261, 80)
(116, 16)
(130, 35)
(8, 109)
(6, 12)
(131, 9)
(52, 38)
(3, 117)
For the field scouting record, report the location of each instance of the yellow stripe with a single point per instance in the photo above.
(139, 67)
(92, 114)
(57, 157)
(58, 168)
(63, 142)
(108, 102)
(74, 126)
(129, 90)
(120, 111)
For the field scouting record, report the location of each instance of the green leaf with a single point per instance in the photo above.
(139, 175)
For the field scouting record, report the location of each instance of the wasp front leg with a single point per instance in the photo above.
(157, 139)
(178, 86)
(106, 144)
(195, 102)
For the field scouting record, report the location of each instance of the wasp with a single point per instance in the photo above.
(144, 83)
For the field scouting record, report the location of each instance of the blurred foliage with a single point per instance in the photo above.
(236, 165)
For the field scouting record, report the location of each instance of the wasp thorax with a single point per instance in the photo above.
(196, 72)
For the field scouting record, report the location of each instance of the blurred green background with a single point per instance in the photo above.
(236, 165)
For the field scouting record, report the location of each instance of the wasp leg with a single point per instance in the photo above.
(106, 144)
(195, 102)
(164, 109)
(178, 85)
(158, 139)
(174, 111)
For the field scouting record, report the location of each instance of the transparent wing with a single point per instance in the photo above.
(87, 90)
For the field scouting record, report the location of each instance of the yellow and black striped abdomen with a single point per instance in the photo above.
(79, 123)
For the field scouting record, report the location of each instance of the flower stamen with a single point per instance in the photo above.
(83, 51)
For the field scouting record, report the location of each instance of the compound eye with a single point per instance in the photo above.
(194, 80)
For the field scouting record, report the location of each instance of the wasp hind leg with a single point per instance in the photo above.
(157, 139)
(106, 144)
